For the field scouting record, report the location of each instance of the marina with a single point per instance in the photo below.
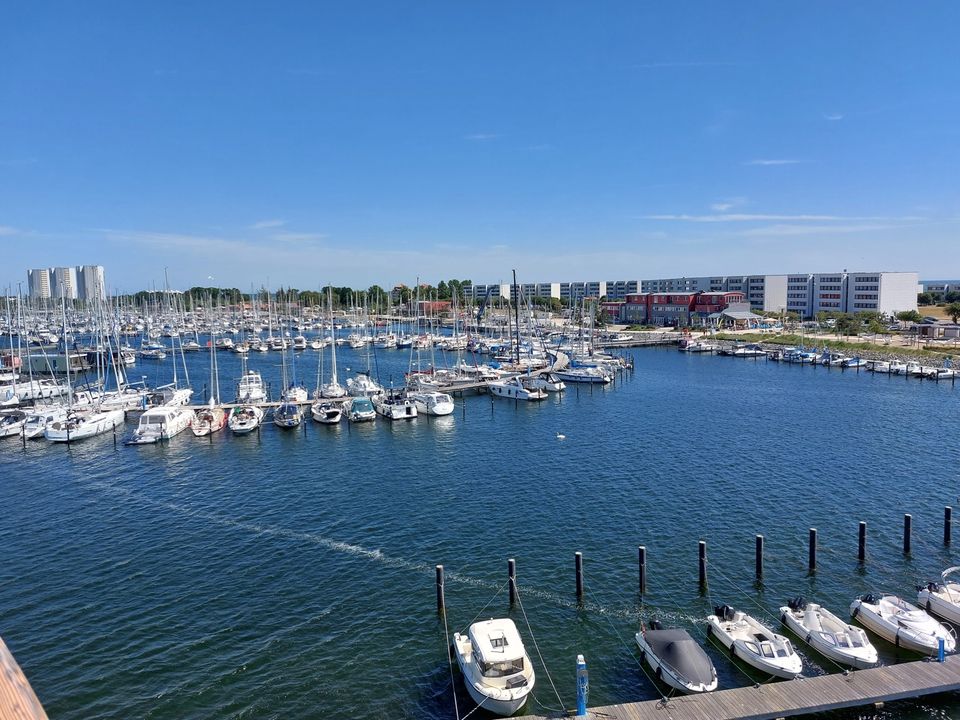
(329, 522)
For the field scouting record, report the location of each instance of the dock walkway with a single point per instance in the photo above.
(798, 697)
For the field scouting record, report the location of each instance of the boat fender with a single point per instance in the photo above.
(856, 611)
(896, 639)
(643, 655)
(928, 604)
(809, 635)
(783, 617)
(659, 673)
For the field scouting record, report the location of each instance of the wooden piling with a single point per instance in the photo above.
(512, 580)
(702, 552)
(759, 557)
(642, 553)
(862, 544)
(578, 563)
(947, 524)
(440, 602)
(907, 530)
(812, 554)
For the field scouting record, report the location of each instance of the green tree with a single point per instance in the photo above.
(909, 316)
(849, 324)
(953, 310)
(924, 299)
(443, 291)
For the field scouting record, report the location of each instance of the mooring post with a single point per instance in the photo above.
(512, 580)
(583, 685)
(440, 604)
(578, 562)
(702, 552)
(940, 652)
(907, 527)
(643, 569)
(947, 524)
(812, 555)
(759, 557)
(862, 545)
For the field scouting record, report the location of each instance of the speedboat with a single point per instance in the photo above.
(432, 403)
(676, 658)
(363, 386)
(903, 624)
(327, 413)
(829, 635)
(11, 423)
(942, 598)
(250, 388)
(245, 419)
(362, 410)
(496, 669)
(516, 389)
(880, 366)
(754, 643)
(160, 423)
(38, 419)
(287, 415)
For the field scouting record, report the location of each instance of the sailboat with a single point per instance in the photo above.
(332, 389)
(211, 418)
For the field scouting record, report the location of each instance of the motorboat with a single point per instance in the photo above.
(287, 415)
(12, 422)
(676, 658)
(430, 402)
(245, 419)
(515, 388)
(833, 638)
(942, 598)
(880, 366)
(362, 410)
(208, 420)
(81, 425)
(901, 623)
(327, 413)
(496, 669)
(363, 386)
(754, 643)
(549, 382)
(748, 351)
(584, 374)
(854, 362)
(160, 423)
(394, 407)
(250, 388)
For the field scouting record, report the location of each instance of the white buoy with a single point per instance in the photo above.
(561, 436)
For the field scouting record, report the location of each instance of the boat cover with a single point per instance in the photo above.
(681, 652)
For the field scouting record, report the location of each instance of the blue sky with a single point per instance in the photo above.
(293, 144)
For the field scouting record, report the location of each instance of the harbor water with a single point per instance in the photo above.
(290, 574)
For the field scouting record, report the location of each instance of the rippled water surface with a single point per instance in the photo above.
(291, 574)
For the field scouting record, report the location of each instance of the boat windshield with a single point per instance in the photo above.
(502, 668)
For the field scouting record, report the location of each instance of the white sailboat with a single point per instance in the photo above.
(332, 389)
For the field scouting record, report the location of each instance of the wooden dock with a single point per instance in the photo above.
(17, 699)
(803, 696)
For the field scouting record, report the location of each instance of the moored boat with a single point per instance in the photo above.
(326, 413)
(676, 658)
(515, 389)
(901, 623)
(160, 423)
(361, 410)
(829, 635)
(496, 668)
(942, 598)
(754, 643)
(245, 419)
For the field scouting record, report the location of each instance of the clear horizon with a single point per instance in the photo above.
(315, 143)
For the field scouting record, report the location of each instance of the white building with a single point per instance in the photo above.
(85, 282)
(64, 283)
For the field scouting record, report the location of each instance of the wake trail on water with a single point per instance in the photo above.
(346, 548)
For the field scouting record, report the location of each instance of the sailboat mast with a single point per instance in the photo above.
(514, 298)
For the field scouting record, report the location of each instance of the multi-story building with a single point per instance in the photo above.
(90, 283)
(38, 282)
(619, 289)
(64, 283)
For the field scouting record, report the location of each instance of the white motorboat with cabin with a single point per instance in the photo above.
(840, 641)
(250, 388)
(901, 623)
(496, 668)
(942, 598)
(363, 386)
(245, 419)
(516, 389)
(676, 658)
(327, 413)
(160, 423)
(394, 407)
(431, 402)
(38, 419)
(754, 643)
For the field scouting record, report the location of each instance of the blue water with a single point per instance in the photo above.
(290, 574)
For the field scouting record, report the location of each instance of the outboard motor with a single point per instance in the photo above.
(655, 625)
(870, 598)
(724, 612)
(797, 603)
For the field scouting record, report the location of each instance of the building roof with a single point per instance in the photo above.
(741, 315)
